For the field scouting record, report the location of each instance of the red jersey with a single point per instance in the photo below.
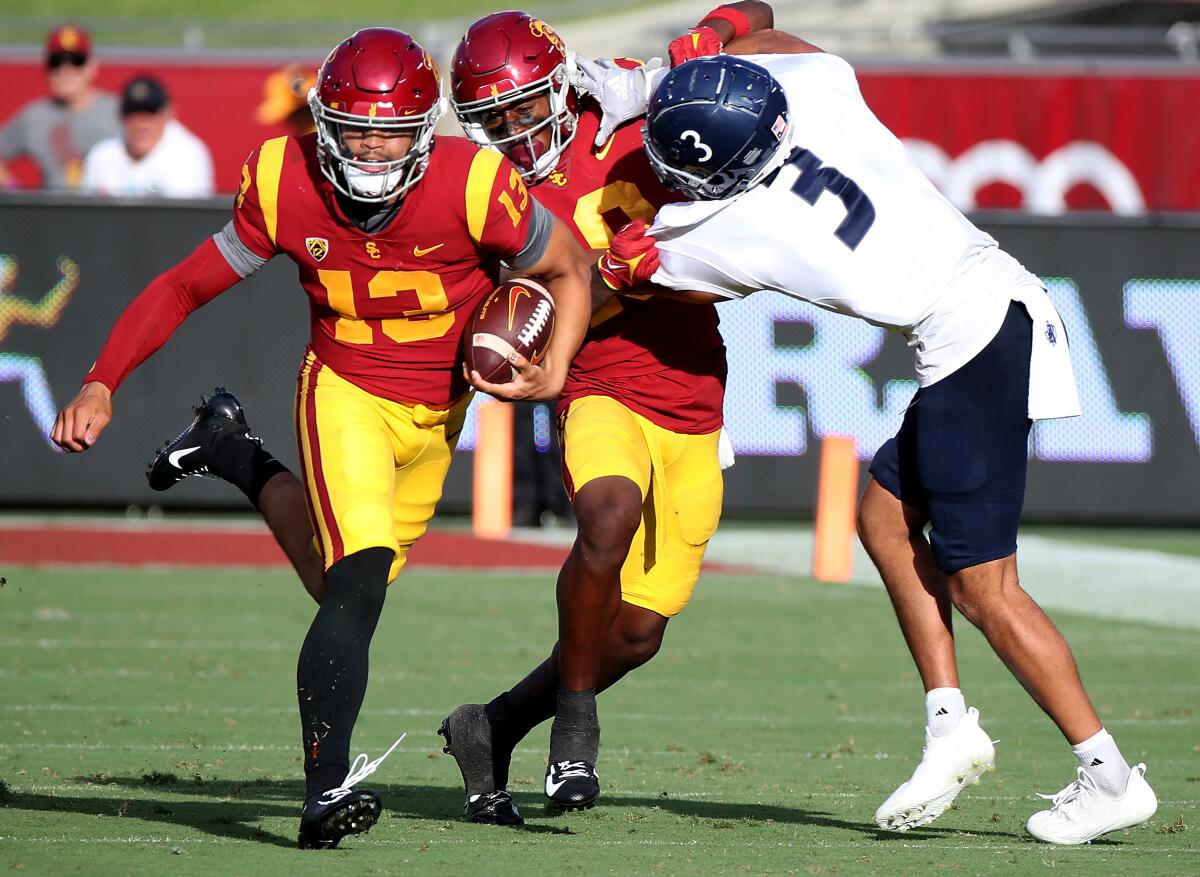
(662, 358)
(389, 309)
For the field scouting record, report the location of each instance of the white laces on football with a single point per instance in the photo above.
(359, 771)
(573, 769)
(1082, 785)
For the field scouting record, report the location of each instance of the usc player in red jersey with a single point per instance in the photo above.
(639, 415)
(398, 235)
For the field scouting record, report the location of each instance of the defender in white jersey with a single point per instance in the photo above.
(798, 188)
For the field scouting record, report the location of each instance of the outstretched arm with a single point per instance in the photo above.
(623, 93)
(770, 42)
(141, 329)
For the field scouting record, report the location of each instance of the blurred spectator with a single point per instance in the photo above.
(285, 99)
(155, 154)
(56, 132)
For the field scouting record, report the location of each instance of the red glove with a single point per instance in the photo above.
(632, 257)
(696, 43)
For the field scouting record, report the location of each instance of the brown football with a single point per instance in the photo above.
(517, 316)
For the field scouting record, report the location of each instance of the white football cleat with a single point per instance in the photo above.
(1080, 813)
(948, 765)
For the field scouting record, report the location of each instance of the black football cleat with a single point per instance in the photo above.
(328, 818)
(571, 785)
(494, 808)
(468, 735)
(190, 453)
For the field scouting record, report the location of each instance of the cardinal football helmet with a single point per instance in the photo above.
(501, 60)
(714, 127)
(377, 79)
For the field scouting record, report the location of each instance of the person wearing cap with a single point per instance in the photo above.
(154, 155)
(56, 132)
(285, 99)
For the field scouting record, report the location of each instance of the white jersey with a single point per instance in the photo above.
(179, 166)
(851, 225)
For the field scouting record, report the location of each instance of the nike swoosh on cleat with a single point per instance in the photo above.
(175, 456)
(552, 788)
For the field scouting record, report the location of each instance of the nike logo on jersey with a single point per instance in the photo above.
(175, 456)
(425, 251)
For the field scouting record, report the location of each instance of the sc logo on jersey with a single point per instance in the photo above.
(703, 148)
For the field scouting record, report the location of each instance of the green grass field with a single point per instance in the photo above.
(148, 725)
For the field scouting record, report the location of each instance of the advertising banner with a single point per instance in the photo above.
(1045, 141)
(1128, 290)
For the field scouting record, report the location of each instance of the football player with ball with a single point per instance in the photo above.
(398, 236)
(785, 166)
(639, 415)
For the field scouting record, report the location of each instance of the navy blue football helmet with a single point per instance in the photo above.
(714, 125)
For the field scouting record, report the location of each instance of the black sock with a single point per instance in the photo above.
(331, 675)
(512, 723)
(245, 464)
(509, 726)
(575, 734)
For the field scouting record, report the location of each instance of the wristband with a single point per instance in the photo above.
(734, 17)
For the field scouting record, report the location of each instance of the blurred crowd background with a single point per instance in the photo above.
(1069, 129)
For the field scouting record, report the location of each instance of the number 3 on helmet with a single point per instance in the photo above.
(715, 126)
(379, 79)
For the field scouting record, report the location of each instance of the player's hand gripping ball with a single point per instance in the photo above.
(517, 318)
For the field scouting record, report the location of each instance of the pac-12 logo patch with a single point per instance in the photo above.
(318, 248)
(1051, 334)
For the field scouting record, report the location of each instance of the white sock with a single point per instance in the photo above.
(1099, 756)
(944, 707)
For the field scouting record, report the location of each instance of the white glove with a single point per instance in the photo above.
(622, 94)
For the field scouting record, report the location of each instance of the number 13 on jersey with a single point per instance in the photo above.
(432, 317)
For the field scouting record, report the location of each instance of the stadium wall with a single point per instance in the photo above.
(1045, 140)
(1129, 290)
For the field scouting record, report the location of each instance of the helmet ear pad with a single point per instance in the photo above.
(714, 126)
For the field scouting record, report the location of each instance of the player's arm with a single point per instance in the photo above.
(623, 92)
(602, 291)
(564, 269)
(770, 42)
(242, 247)
(634, 264)
(142, 328)
(510, 224)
